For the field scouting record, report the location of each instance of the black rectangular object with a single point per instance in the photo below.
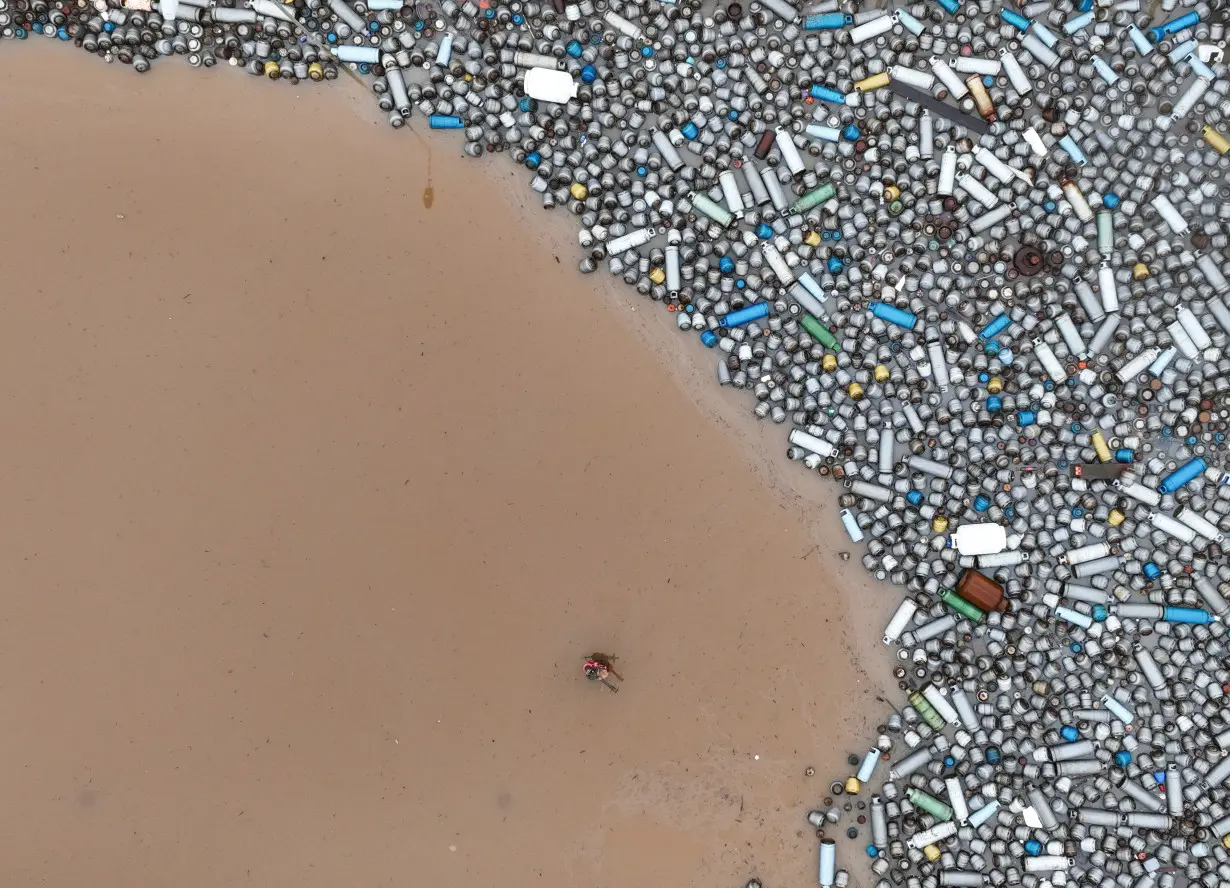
(931, 103)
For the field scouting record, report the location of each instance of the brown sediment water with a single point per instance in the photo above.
(314, 501)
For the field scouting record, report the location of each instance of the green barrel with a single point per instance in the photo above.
(928, 803)
(960, 605)
(814, 198)
(820, 333)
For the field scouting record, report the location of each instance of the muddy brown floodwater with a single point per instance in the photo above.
(317, 490)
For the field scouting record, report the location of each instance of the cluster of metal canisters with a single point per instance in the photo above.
(973, 254)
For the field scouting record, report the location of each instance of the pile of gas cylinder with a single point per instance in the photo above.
(972, 255)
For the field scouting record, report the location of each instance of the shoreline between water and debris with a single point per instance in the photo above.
(704, 773)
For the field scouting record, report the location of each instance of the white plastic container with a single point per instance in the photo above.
(980, 539)
(545, 85)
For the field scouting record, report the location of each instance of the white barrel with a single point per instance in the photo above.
(731, 193)
(1016, 74)
(948, 172)
(1050, 363)
(872, 29)
(956, 799)
(871, 491)
(1136, 366)
(548, 85)
(1170, 527)
(663, 143)
(976, 65)
(777, 262)
(1182, 341)
(965, 708)
(790, 152)
(926, 135)
(1071, 336)
(828, 863)
(1097, 566)
(1086, 553)
(1001, 559)
(1194, 329)
(1199, 524)
(912, 77)
(935, 628)
(885, 450)
(980, 539)
(900, 619)
(994, 165)
(1173, 218)
(1213, 275)
(1108, 288)
(941, 705)
(630, 241)
(929, 467)
(954, 84)
(977, 190)
(800, 438)
(937, 833)
(1048, 863)
(1138, 492)
(939, 364)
